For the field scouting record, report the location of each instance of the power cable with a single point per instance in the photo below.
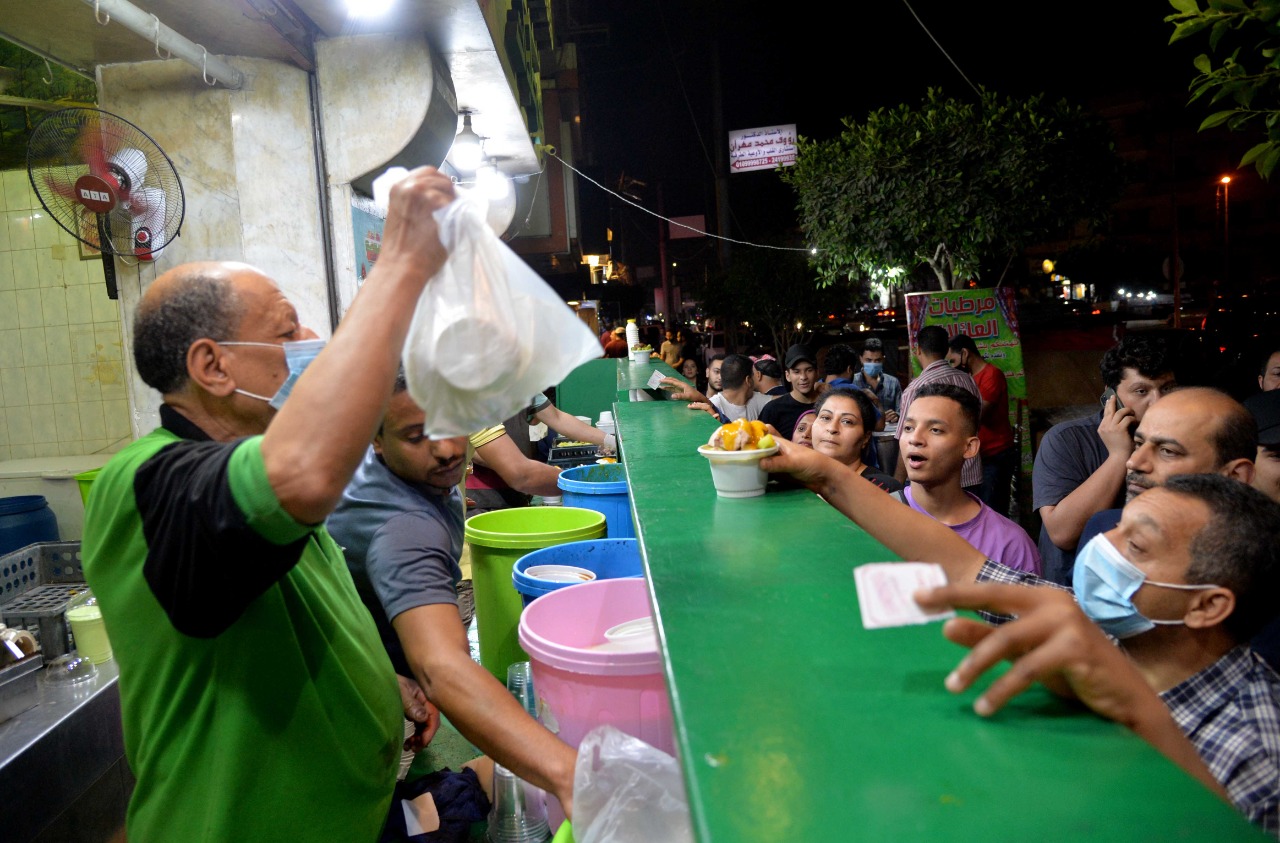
(939, 46)
(674, 222)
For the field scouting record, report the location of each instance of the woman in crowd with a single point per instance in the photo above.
(841, 430)
(694, 374)
(804, 429)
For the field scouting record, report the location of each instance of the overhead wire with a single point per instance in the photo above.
(676, 222)
(940, 47)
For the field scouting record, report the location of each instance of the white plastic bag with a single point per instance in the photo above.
(625, 791)
(488, 333)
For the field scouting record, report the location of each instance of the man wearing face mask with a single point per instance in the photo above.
(256, 698)
(1184, 582)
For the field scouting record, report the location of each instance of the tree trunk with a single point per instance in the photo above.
(943, 267)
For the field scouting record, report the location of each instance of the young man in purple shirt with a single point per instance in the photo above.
(939, 431)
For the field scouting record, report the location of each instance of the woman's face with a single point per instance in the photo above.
(690, 369)
(838, 430)
(804, 428)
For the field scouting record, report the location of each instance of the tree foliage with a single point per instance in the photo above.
(773, 290)
(1248, 80)
(952, 184)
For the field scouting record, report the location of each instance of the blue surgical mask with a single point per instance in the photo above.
(1105, 583)
(872, 370)
(297, 355)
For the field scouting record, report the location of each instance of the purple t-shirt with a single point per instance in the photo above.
(996, 536)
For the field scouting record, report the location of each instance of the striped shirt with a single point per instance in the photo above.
(1230, 711)
(939, 372)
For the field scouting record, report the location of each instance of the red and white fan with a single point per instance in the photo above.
(106, 181)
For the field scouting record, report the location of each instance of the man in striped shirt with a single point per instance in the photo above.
(1183, 582)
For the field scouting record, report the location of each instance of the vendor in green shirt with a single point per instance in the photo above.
(257, 700)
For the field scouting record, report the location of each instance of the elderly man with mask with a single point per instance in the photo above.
(1185, 580)
(257, 700)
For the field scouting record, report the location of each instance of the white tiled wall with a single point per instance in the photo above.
(62, 378)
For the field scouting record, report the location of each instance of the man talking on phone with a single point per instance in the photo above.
(1080, 464)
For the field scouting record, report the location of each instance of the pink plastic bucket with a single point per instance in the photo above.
(580, 687)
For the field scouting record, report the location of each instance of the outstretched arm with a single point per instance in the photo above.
(516, 470)
(910, 534)
(322, 432)
(1052, 641)
(435, 643)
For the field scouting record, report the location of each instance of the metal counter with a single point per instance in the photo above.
(62, 767)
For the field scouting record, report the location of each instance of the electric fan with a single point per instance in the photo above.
(107, 182)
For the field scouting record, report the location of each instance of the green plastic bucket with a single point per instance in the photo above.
(85, 481)
(498, 539)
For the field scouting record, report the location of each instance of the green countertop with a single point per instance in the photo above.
(634, 377)
(793, 723)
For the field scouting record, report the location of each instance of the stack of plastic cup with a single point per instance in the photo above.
(519, 813)
(520, 684)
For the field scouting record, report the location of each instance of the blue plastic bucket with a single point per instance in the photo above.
(24, 520)
(604, 489)
(606, 558)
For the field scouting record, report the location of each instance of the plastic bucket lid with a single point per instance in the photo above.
(533, 527)
(566, 628)
(607, 479)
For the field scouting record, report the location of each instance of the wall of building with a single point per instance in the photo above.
(247, 164)
(62, 375)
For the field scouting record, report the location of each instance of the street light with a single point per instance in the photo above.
(1225, 181)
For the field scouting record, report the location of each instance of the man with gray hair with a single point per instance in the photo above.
(256, 698)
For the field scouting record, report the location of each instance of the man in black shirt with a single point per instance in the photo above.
(783, 411)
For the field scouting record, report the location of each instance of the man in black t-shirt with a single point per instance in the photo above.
(801, 372)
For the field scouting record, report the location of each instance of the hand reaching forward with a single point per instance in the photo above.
(1052, 641)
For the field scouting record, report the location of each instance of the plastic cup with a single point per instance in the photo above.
(560, 573)
(520, 684)
(737, 474)
(519, 813)
(90, 632)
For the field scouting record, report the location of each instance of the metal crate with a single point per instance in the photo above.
(569, 456)
(36, 583)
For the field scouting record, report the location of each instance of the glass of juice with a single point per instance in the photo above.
(87, 627)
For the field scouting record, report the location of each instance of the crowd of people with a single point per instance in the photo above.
(279, 563)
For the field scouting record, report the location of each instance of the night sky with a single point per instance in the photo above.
(648, 85)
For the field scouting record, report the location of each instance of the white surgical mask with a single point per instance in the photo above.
(298, 355)
(1105, 582)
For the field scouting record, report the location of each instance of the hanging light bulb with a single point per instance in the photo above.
(466, 152)
(490, 182)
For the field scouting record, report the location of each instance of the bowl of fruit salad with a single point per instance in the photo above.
(734, 453)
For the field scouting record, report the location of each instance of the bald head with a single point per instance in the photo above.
(1192, 430)
(187, 303)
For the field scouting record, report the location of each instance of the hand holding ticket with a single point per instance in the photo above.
(885, 592)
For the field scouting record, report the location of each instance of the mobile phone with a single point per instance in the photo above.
(1107, 393)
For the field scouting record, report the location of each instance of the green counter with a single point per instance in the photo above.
(633, 380)
(793, 723)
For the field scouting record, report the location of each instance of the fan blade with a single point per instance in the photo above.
(92, 146)
(59, 187)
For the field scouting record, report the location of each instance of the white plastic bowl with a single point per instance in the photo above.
(737, 474)
(641, 356)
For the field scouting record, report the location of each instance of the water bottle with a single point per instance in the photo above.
(633, 334)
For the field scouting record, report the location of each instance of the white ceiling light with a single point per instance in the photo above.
(466, 152)
(368, 8)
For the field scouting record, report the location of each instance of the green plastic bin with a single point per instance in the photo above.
(498, 539)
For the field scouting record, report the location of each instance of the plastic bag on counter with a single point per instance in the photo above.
(625, 791)
(488, 333)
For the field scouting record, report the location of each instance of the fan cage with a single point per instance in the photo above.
(70, 143)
